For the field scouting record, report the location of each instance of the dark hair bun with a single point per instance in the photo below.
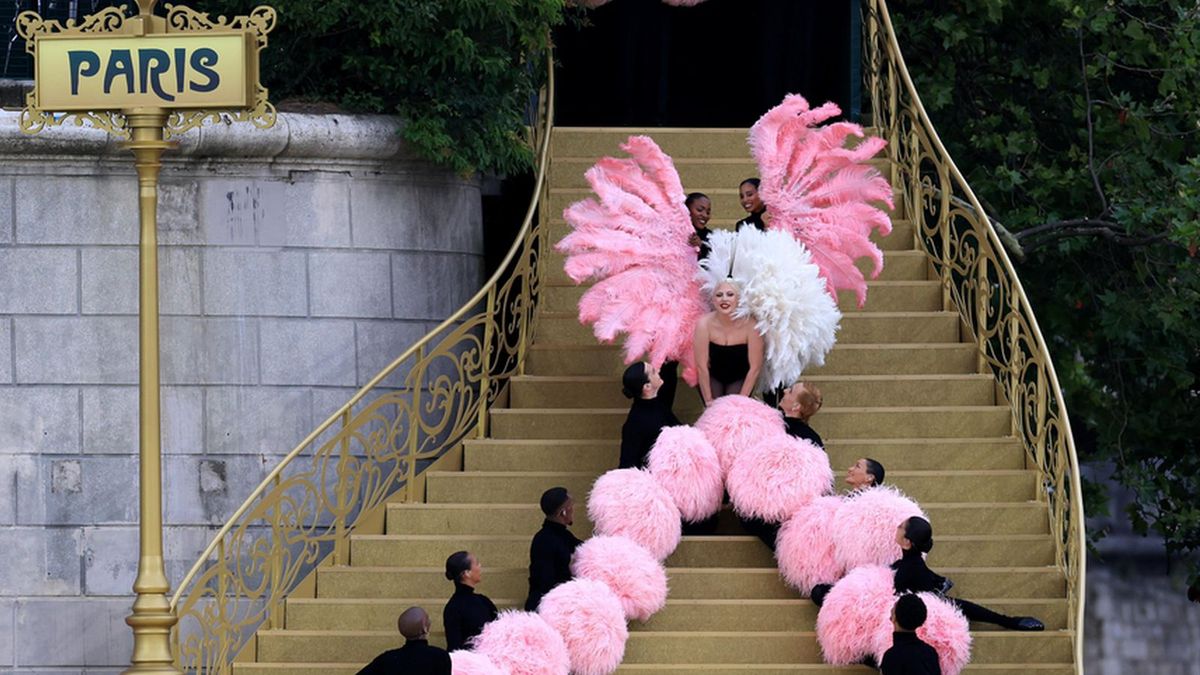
(456, 564)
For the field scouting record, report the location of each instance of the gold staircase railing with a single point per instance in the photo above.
(368, 452)
(979, 281)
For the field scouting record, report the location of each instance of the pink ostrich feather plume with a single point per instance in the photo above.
(864, 528)
(774, 477)
(522, 643)
(685, 464)
(856, 619)
(804, 545)
(734, 423)
(631, 238)
(947, 631)
(591, 622)
(636, 577)
(821, 191)
(463, 662)
(630, 503)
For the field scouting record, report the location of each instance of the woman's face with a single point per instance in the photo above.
(750, 199)
(902, 540)
(725, 298)
(475, 574)
(700, 211)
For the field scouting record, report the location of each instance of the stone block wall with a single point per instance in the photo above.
(294, 264)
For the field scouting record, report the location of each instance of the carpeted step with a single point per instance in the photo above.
(726, 212)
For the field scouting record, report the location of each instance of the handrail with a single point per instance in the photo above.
(979, 281)
(303, 510)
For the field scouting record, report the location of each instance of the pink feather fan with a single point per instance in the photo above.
(864, 528)
(522, 643)
(463, 662)
(822, 192)
(632, 239)
(804, 546)
(591, 621)
(685, 463)
(630, 503)
(733, 423)
(636, 577)
(947, 631)
(856, 619)
(777, 475)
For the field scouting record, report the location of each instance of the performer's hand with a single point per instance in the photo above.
(694, 239)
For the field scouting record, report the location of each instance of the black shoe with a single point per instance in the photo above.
(1029, 623)
(947, 584)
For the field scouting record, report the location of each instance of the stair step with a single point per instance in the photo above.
(726, 213)
(918, 454)
(930, 422)
(882, 296)
(686, 583)
(856, 328)
(526, 487)
(696, 174)
(901, 265)
(678, 142)
(844, 359)
(949, 518)
(707, 551)
(600, 391)
(689, 669)
(677, 647)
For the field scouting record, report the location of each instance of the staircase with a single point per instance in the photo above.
(900, 386)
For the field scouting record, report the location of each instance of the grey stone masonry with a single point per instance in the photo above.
(294, 263)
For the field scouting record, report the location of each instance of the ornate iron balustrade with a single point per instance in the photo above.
(367, 453)
(979, 281)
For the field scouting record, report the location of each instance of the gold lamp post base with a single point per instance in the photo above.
(152, 621)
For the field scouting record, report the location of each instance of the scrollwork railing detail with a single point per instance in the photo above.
(979, 281)
(368, 452)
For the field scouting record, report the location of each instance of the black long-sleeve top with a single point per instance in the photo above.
(914, 576)
(908, 655)
(549, 560)
(753, 220)
(800, 429)
(416, 657)
(703, 233)
(465, 614)
(647, 417)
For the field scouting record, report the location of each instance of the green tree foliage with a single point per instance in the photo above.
(1077, 123)
(460, 73)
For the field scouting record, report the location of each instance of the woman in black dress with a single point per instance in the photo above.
(467, 611)
(753, 203)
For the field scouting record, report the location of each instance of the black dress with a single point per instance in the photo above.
(914, 576)
(465, 614)
(549, 560)
(800, 429)
(908, 655)
(753, 220)
(647, 417)
(416, 657)
(728, 364)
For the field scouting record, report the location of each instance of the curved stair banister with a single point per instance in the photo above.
(979, 281)
(367, 452)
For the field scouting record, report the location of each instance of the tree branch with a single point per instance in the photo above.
(1091, 137)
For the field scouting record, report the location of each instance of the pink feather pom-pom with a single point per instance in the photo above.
(638, 580)
(591, 622)
(630, 503)
(804, 545)
(776, 476)
(686, 465)
(733, 423)
(522, 643)
(855, 620)
(864, 529)
(947, 631)
(464, 662)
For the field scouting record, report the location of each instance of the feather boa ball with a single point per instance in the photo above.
(733, 423)
(463, 662)
(630, 503)
(776, 476)
(522, 643)
(591, 622)
(638, 580)
(685, 464)
(804, 546)
(856, 619)
(864, 528)
(947, 631)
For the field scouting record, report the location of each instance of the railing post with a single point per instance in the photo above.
(983, 291)
(526, 299)
(414, 428)
(1014, 374)
(485, 379)
(276, 572)
(340, 543)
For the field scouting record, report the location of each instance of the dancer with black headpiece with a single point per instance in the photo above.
(652, 392)
(552, 547)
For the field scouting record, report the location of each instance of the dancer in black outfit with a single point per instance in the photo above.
(699, 208)
(417, 656)
(552, 547)
(748, 194)
(653, 392)
(909, 655)
(467, 611)
(915, 536)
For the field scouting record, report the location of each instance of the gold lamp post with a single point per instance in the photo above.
(146, 78)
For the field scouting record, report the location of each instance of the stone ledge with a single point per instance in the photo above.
(294, 136)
